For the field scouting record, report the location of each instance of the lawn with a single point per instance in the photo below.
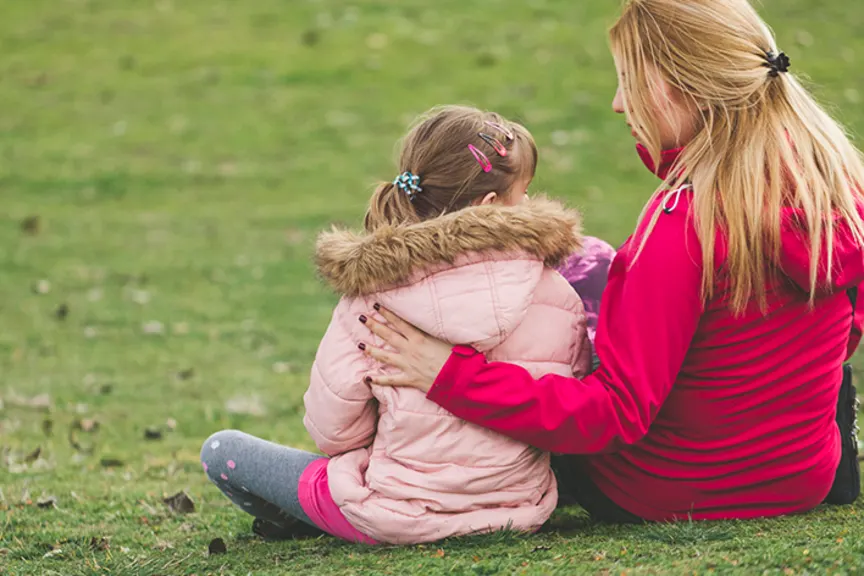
(164, 168)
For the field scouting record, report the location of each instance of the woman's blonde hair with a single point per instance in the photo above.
(763, 144)
(436, 150)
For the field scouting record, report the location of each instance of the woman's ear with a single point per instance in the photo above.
(490, 198)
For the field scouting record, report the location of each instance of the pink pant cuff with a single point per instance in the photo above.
(317, 502)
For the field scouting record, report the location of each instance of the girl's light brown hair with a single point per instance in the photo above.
(436, 150)
(764, 143)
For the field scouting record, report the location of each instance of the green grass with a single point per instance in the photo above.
(180, 157)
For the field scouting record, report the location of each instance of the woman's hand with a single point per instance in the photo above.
(418, 357)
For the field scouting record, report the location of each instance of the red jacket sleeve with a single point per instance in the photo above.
(649, 315)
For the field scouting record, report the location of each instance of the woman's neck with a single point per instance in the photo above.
(667, 160)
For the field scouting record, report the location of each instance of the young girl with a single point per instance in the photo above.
(728, 314)
(453, 245)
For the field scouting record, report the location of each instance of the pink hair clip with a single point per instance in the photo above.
(481, 158)
(494, 143)
(506, 131)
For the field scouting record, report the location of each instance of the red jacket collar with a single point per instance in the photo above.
(667, 160)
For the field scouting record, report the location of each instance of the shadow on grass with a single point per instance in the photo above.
(571, 521)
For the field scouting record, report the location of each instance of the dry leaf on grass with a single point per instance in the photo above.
(101, 543)
(33, 456)
(186, 374)
(217, 546)
(42, 287)
(284, 368)
(76, 445)
(31, 225)
(62, 312)
(149, 509)
(180, 503)
(310, 37)
(38, 402)
(87, 425)
(47, 502)
(153, 327)
(249, 405)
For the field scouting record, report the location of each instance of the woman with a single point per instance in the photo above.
(721, 342)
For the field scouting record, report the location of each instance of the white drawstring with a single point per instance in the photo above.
(677, 193)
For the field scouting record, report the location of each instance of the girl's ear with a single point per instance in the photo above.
(490, 198)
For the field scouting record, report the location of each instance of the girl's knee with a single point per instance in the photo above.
(218, 445)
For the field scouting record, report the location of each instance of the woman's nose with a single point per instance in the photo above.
(618, 102)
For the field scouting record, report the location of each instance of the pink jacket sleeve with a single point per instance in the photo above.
(341, 413)
(649, 315)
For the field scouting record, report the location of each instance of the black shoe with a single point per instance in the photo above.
(847, 483)
(290, 529)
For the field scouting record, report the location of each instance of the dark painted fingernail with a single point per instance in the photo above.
(368, 380)
(377, 307)
(361, 346)
(363, 318)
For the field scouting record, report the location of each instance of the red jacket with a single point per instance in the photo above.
(693, 412)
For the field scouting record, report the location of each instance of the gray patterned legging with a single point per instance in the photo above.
(260, 477)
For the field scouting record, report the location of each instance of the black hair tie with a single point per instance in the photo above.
(777, 63)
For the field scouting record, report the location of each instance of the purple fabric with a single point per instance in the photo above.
(587, 272)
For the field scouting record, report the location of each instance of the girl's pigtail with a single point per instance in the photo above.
(389, 206)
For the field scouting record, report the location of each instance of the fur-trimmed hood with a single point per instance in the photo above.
(356, 264)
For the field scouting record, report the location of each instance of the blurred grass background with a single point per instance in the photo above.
(164, 168)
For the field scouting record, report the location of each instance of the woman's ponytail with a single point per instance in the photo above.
(389, 206)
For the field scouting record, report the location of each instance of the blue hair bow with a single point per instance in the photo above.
(409, 184)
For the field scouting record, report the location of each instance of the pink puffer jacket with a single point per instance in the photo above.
(403, 469)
